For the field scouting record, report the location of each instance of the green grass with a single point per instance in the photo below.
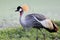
(19, 34)
(57, 22)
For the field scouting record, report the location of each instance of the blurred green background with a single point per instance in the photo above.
(50, 8)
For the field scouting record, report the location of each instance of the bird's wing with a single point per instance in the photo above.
(39, 16)
(30, 21)
(44, 21)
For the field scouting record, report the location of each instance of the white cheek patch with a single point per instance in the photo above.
(20, 10)
(46, 23)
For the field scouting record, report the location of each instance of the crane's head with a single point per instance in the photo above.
(22, 8)
(19, 9)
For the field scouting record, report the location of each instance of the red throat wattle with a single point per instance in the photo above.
(20, 14)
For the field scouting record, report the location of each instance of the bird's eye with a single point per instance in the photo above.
(20, 10)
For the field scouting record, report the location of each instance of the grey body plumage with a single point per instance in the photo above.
(31, 22)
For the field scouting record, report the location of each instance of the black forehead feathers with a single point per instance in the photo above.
(19, 7)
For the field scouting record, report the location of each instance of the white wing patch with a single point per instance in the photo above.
(46, 23)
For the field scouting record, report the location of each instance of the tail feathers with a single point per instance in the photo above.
(55, 28)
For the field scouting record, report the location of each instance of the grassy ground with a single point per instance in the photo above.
(19, 34)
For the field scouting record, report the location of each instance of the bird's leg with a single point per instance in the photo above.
(43, 33)
(37, 34)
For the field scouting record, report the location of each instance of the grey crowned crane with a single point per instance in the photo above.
(35, 20)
